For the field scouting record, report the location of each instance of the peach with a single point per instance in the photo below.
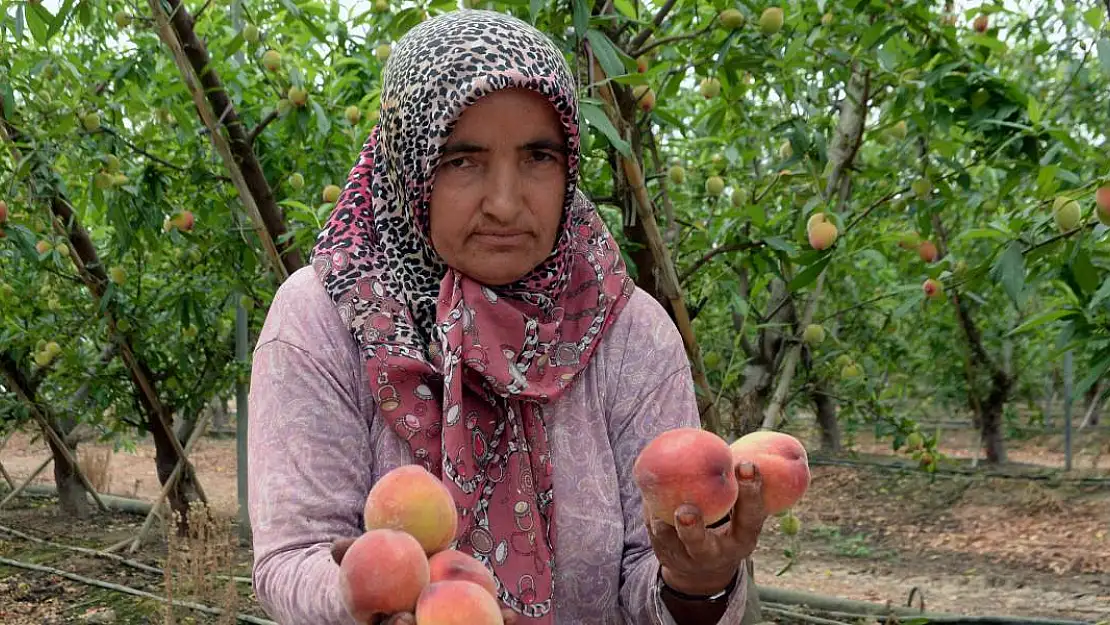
(412, 500)
(932, 288)
(383, 572)
(783, 465)
(456, 602)
(686, 466)
(823, 235)
(451, 564)
(927, 251)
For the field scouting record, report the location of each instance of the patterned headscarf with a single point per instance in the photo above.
(461, 370)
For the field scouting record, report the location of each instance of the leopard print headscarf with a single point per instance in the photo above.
(462, 371)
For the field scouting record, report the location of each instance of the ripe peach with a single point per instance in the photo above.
(782, 463)
(412, 500)
(3, 211)
(457, 602)
(451, 564)
(1102, 201)
(383, 572)
(981, 23)
(686, 466)
(932, 288)
(927, 251)
(644, 96)
(822, 235)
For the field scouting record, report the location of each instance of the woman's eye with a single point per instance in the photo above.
(542, 157)
(456, 163)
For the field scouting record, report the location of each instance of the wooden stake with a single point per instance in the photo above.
(669, 282)
(19, 489)
(168, 486)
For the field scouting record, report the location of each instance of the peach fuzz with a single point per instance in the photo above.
(412, 500)
(456, 602)
(451, 565)
(383, 572)
(783, 466)
(686, 466)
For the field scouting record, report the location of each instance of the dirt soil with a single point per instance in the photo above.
(969, 545)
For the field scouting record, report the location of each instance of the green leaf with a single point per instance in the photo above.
(1033, 108)
(1100, 295)
(606, 53)
(995, 44)
(1039, 320)
(597, 118)
(299, 14)
(809, 275)
(1094, 17)
(1085, 274)
(1010, 271)
(626, 8)
(581, 18)
(1104, 54)
(323, 124)
(1094, 375)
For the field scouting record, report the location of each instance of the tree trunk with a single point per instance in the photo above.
(991, 425)
(1094, 405)
(261, 196)
(825, 408)
(73, 498)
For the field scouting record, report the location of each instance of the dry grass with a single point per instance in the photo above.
(96, 464)
(200, 563)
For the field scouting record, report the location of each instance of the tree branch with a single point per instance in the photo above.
(262, 126)
(713, 253)
(660, 15)
(673, 39)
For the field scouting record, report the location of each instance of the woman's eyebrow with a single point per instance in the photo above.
(545, 144)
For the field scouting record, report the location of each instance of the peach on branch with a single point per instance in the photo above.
(1102, 202)
(1066, 213)
(644, 96)
(3, 211)
(927, 250)
(731, 18)
(410, 499)
(821, 232)
(783, 466)
(771, 20)
(714, 185)
(271, 60)
(814, 334)
(331, 194)
(383, 572)
(686, 466)
(709, 88)
(932, 288)
(353, 114)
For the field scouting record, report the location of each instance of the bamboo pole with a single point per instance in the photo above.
(246, 618)
(669, 282)
(219, 142)
(168, 486)
(19, 489)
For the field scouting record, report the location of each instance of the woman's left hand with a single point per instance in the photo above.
(702, 561)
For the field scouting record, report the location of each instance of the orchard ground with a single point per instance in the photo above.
(971, 545)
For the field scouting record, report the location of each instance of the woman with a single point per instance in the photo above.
(467, 310)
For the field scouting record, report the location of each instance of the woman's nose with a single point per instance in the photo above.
(502, 193)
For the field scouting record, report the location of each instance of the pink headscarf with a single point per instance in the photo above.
(463, 371)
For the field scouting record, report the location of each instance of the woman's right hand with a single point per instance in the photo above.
(339, 548)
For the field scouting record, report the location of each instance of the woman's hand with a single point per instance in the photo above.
(702, 561)
(339, 548)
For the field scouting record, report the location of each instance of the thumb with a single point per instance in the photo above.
(508, 616)
(339, 549)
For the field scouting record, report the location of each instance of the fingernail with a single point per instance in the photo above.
(747, 471)
(687, 519)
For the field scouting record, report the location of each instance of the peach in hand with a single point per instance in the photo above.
(451, 565)
(783, 467)
(382, 572)
(686, 466)
(412, 500)
(456, 602)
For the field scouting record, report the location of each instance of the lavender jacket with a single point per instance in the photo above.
(316, 446)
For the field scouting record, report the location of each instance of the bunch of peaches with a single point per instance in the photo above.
(404, 561)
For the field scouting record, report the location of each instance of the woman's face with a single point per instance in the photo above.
(497, 198)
